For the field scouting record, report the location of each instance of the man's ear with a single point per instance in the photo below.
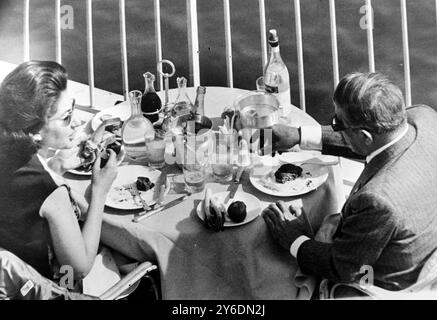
(367, 136)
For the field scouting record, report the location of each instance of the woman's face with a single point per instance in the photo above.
(60, 129)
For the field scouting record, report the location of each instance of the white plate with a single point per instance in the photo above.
(253, 207)
(121, 110)
(120, 198)
(263, 179)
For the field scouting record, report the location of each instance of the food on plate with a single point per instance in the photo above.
(218, 213)
(237, 211)
(207, 205)
(214, 211)
(144, 184)
(105, 137)
(288, 172)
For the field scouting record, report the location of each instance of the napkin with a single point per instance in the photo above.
(308, 283)
(103, 275)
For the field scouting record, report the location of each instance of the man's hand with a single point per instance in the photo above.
(284, 137)
(284, 229)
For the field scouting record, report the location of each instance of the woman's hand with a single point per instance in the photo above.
(103, 177)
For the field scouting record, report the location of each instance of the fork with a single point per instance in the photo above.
(135, 193)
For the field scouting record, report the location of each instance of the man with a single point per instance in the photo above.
(389, 222)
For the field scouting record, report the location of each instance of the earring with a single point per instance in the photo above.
(36, 138)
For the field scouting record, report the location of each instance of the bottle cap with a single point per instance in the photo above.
(273, 36)
(149, 75)
(201, 89)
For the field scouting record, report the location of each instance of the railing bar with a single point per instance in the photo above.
(436, 13)
(263, 30)
(228, 39)
(124, 67)
(300, 54)
(370, 46)
(334, 45)
(158, 39)
(406, 51)
(58, 32)
(26, 30)
(89, 24)
(193, 42)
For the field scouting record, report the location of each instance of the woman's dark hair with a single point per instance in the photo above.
(28, 97)
(372, 101)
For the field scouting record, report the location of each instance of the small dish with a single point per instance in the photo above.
(253, 207)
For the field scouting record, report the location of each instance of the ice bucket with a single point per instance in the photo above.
(257, 109)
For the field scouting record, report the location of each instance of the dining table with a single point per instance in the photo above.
(241, 262)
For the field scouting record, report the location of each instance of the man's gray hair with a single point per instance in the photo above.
(370, 100)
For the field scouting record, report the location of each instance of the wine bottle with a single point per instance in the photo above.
(199, 107)
(276, 76)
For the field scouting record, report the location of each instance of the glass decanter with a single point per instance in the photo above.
(183, 104)
(150, 103)
(136, 130)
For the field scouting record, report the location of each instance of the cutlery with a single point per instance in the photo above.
(148, 213)
(232, 191)
(161, 188)
(240, 171)
(132, 188)
(264, 181)
(320, 161)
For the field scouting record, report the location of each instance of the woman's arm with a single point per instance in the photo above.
(74, 247)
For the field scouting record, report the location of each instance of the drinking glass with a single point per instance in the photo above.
(222, 158)
(260, 84)
(194, 164)
(156, 150)
(194, 176)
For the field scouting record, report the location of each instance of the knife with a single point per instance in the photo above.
(161, 188)
(232, 191)
(146, 214)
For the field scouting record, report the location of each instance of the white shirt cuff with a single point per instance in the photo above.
(296, 244)
(311, 137)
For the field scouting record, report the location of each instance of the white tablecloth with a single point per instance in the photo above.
(196, 263)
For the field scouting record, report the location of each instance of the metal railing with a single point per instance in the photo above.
(193, 42)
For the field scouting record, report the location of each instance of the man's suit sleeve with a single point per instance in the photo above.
(366, 229)
(333, 143)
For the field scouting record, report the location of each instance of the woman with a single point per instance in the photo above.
(38, 215)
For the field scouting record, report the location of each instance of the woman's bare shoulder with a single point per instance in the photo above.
(57, 203)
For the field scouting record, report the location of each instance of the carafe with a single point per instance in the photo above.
(136, 130)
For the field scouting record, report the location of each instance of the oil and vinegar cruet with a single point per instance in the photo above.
(150, 103)
(136, 130)
(183, 104)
